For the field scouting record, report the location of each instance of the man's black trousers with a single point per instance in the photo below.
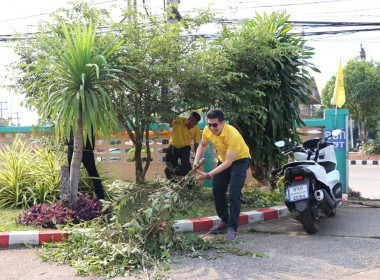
(172, 155)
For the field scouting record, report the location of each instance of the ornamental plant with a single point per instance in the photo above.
(52, 215)
(31, 176)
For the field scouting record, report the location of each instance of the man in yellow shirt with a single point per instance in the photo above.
(185, 130)
(233, 162)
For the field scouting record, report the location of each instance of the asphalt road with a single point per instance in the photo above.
(347, 247)
(366, 179)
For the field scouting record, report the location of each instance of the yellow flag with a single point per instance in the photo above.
(339, 96)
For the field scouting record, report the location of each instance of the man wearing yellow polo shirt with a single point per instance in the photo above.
(233, 162)
(185, 130)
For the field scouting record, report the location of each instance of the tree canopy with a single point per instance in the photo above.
(362, 88)
(257, 72)
(170, 73)
(266, 77)
(68, 74)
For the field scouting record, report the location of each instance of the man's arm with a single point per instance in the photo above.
(230, 156)
(196, 147)
(199, 153)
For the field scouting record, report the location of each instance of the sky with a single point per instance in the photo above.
(23, 16)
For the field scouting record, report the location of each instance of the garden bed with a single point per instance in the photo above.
(363, 156)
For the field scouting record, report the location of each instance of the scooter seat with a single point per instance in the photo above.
(328, 165)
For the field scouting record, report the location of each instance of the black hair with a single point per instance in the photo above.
(215, 114)
(196, 116)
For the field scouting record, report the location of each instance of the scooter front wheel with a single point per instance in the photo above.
(308, 220)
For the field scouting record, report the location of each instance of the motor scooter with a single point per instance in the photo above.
(312, 182)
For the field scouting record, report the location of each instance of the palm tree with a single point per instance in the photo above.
(75, 85)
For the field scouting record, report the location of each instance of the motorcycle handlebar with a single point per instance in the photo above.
(287, 151)
(296, 146)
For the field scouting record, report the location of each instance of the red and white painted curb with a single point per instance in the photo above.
(255, 216)
(9, 238)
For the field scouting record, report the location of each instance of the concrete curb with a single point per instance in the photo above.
(250, 217)
(364, 162)
(10, 238)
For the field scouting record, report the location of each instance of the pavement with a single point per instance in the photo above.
(346, 247)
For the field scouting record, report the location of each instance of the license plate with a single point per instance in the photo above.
(297, 192)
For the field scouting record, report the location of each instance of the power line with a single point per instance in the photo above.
(49, 13)
(299, 24)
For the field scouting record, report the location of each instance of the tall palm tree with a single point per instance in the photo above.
(76, 84)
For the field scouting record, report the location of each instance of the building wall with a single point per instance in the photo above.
(117, 154)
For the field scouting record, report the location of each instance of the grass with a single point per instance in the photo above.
(8, 223)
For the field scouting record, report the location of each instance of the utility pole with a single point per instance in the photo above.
(1, 108)
(362, 53)
(18, 117)
(175, 16)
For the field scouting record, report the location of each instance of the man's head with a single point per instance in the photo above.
(215, 121)
(193, 120)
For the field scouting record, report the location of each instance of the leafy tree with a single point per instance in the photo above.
(318, 112)
(171, 70)
(362, 87)
(266, 77)
(70, 78)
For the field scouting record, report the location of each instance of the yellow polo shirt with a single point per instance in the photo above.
(181, 136)
(229, 140)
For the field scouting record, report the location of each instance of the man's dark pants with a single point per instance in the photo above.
(172, 155)
(234, 176)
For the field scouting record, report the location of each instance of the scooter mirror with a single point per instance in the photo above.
(336, 132)
(280, 144)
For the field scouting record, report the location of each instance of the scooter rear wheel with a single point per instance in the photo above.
(332, 213)
(308, 220)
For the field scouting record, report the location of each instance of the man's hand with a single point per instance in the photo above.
(196, 165)
(200, 175)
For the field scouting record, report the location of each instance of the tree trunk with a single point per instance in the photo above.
(148, 155)
(361, 132)
(65, 186)
(77, 156)
(138, 163)
(260, 173)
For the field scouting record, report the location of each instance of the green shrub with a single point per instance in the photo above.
(17, 169)
(259, 198)
(371, 147)
(30, 176)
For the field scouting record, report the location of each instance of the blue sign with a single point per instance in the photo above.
(339, 141)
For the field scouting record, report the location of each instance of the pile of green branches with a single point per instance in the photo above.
(143, 243)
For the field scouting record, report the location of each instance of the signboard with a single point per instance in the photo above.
(339, 141)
